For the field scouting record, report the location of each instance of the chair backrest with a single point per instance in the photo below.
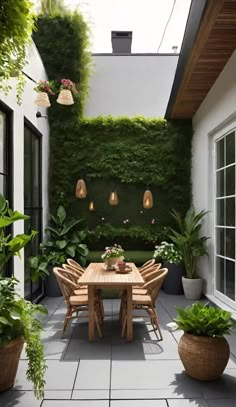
(153, 286)
(74, 263)
(73, 270)
(71, 274)
(153, 272)
(147, 264)
(67, 286)
(148, 270)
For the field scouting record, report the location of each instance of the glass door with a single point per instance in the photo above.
(32, 203)
(225, 288)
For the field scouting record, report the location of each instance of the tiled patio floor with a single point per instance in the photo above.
(113, 373)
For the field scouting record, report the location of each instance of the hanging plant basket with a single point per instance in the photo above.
(65, 97)
(42, 99)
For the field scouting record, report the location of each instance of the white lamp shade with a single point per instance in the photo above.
(81, 190)
(65, 97)
(42, 99)
(113, 199)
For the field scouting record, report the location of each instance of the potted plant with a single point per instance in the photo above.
(18, 317)
(63, 241)
(191, 246)
(171, 258)
(66, 89)
(203, 349)
(112, 255)
(43, 89)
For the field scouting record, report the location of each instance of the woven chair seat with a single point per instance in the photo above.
(141, 299)
(81, 291)
(79, 300)
(139, 291)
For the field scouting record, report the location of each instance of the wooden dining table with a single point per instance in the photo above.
(97, 277)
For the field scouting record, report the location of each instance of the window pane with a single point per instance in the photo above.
(27, 168)
(35, 170)
(230, 243)
(220, 183)
(230, 212)
(220, 241)
(2, 142)
(230, 279)
(220, 274)
(230, 148)
(220, 211)
(230, 180)
(220, 153)
(2, 185)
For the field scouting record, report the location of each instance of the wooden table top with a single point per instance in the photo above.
(95, 274)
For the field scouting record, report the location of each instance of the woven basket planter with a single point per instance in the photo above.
(203, 358)
(9, 360)
(65, 97)
(42, 99)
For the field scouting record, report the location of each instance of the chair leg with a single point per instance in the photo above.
(124, 326)
(68, 314)
(156, 319)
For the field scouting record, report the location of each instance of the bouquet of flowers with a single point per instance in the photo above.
(167, 252)
(44, 86)
(112, 252)
(69, 85)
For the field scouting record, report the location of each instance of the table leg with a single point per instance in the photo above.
(91, 311)
(129, 314)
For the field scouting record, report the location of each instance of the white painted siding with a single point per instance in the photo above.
(217, 113)
(130, 85)
(28, 109)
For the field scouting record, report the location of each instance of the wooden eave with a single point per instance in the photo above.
(214, 43)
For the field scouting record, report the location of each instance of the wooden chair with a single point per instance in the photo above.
(74, 303)
(148, 263)
(74, 263)
(73, 269)
(152, 272)
(147, 302)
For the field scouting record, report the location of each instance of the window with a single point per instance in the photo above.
(225, 193)
(32, 201)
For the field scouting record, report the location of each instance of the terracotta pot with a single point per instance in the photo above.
(203, 358)
(9, 360)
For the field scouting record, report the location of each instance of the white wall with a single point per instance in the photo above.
(217, 113)
(130, 85)
(28, 109)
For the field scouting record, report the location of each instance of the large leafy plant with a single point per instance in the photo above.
(18, 317)
(188, 240)
(63, 241)
(17, 21)
(204, 320)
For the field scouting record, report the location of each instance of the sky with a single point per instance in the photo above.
(145, 18)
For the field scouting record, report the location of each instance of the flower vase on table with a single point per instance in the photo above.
(112, 255)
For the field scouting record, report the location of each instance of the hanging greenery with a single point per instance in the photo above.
(17, 21)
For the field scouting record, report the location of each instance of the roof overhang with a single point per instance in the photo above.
(209, 41)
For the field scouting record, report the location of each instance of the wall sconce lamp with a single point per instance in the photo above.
(91, 206)
(81, 190)
(147, 199)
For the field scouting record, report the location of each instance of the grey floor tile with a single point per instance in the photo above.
(93, 374)
(75, 403)
(158, 374)
(19, 399)
(138, 403)
(59, 376)
(78, 349)
(222, 403)
(145, 394)
(90, 394)
(54, 345)
(225, 387)
(57, 394)
(188, 403)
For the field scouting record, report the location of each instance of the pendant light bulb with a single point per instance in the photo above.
(81, 190)
(147, 199)
(113, 199)
(91, 206)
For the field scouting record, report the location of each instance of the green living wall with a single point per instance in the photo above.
(130, 153)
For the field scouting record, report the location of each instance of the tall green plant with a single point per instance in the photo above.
(19, 317)
(52, 7)
(188, 240)
(17, 21)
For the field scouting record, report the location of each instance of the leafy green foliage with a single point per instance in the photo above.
(52, 7)
(188, 240)
(204, 320)
(11, 246)
(18, 317)
(64, 240)
(17, 22)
